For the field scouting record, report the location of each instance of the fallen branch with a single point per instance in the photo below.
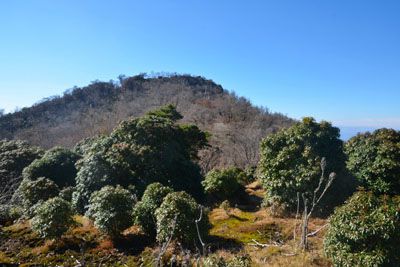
(258, 244)
(316, 231)
(288, 254)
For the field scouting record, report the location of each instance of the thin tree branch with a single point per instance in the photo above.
(166, 244)
(198, 231)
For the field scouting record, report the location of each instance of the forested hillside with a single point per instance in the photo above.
(235, 125)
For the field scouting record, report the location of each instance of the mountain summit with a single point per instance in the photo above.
(235, 125)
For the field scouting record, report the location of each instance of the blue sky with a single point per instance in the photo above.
(334, 60)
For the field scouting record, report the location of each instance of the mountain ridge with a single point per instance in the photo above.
(235, 124)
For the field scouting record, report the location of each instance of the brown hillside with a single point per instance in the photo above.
(235, 124)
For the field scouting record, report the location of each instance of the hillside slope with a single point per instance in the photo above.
(236, 126)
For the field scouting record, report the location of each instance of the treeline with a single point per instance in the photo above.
(236, 126)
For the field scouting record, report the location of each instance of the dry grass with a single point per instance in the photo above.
(133, 230)
(84, 229)
(104, 245)
(4, 259)
(43, 249)
(21, 226)
(255, 189)
(277, 233)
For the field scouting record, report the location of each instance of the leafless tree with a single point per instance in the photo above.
(319, 192)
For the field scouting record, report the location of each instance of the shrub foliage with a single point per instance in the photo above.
(66, 193)
(176, 216)
(365, 232)
(95, 172)
(57, 164)
(144, 210)
(52, 218)
(223, 184)
(290, 163)
(14, 157)
(141, 151)
(111, 209)
(32, 192)
(374, 158)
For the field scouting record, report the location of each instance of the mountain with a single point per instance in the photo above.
(236, 126)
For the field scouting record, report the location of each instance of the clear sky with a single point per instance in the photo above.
(334, 60)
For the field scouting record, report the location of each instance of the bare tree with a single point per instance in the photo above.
(319, 192)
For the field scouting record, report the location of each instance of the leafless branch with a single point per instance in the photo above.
(258, 244)
(198, 231)
(315, 201)
(167, 242)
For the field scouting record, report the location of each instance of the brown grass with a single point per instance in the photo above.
(255, 189)
(43, 249)
(277, 233)
(4, 258)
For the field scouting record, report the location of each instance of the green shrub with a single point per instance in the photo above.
(155, 148)
(111, 210)
(374, 158)
(84, 146)
(57, 164)
(32, 192)
(52, 218)
(251, 174)
(141, 151)
(168, 112)
(9, 213)
(365, 232)
(14, 157)
(290, 163)
(66, 193)
(182, 207)
(94, 174)
(225, 183)
(144, 210)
